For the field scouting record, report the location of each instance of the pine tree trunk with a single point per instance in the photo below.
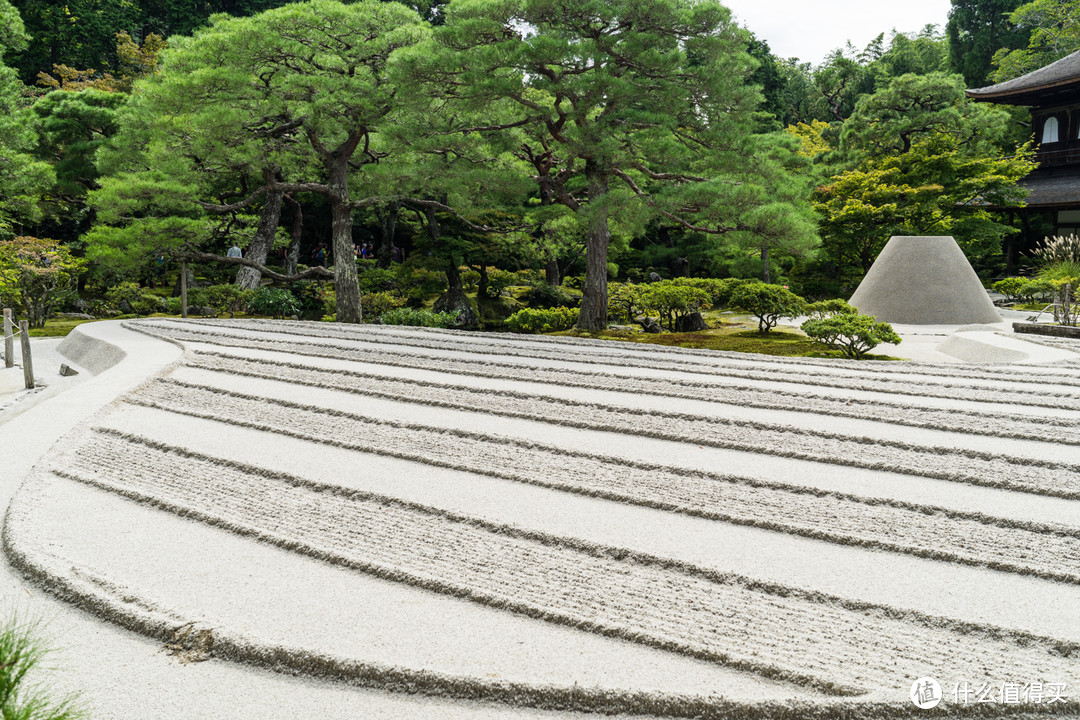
(482, 284)
(248, 277)
(594, 292)
(388, 217)
(454, 300)
(551, 272)
(765, 275)
(296, 229)
(346, 282)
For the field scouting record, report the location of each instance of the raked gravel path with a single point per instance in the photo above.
(546, 524)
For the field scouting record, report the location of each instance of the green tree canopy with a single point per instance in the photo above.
(636, 109)
(976, 30)
(1055, 32)
(922, 160)
(23, 179)
(247, 110)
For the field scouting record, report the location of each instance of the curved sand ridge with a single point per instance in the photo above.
(496, 474)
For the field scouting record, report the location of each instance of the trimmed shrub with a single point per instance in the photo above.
(827, 308)
(768, 303)
(543, 295)
(418, 318)
(498, 281)
(101, 309)
(374, 305)
(129, 298)
(277, 302)
(311, 297)
(853, 335)
(1037, 290)
(532, 320)
(224, 298)
(470, 279)
(672, 302)
(375, 279)
(624, 301)
(719, 289)
(1012, 287)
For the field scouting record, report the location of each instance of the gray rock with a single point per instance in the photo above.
(67, 371)
(648, 324)
(690, 323)
(654, 277)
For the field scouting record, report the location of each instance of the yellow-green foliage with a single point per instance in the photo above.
(811, 137)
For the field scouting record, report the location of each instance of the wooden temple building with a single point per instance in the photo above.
(1053, 94)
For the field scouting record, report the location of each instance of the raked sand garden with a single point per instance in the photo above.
(395, 522)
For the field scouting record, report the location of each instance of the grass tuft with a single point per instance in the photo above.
(20, 653)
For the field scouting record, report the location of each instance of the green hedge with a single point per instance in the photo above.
(532, 320)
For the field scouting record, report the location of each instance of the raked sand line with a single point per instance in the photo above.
(638, 398)
(1027, 394)
(882, 408)
(592, 351)
(119, 604)
(970, 466)
(777, 632)
(1039, 550)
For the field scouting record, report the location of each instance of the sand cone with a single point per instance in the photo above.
(924, 281)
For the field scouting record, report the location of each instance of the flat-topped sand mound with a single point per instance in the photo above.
(924, 280)
(571, 525)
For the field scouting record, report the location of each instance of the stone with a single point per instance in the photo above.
(654, 277)
(67, 371)
(692, 322)
(648, 324)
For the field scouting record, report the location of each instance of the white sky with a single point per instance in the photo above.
(809, 30)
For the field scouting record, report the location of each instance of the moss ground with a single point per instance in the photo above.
(734, 333)
(57, 327)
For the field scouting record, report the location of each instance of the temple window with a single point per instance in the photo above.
(1050, 130)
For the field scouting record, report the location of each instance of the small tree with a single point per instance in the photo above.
(36, 274)
(828, 308)
(624, 301)
(1012, 288)
(672, 302)
(768, 303)
(853, 335)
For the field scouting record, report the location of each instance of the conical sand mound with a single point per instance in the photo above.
(924, 281)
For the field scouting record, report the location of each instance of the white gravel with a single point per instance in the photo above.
(675, 532)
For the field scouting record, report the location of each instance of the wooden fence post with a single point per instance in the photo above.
(27, 361)
(9, 340)
(183, 289)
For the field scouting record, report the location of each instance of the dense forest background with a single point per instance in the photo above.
(481, 135)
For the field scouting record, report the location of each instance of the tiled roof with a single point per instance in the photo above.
(1063, 72)
(1056, 190)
